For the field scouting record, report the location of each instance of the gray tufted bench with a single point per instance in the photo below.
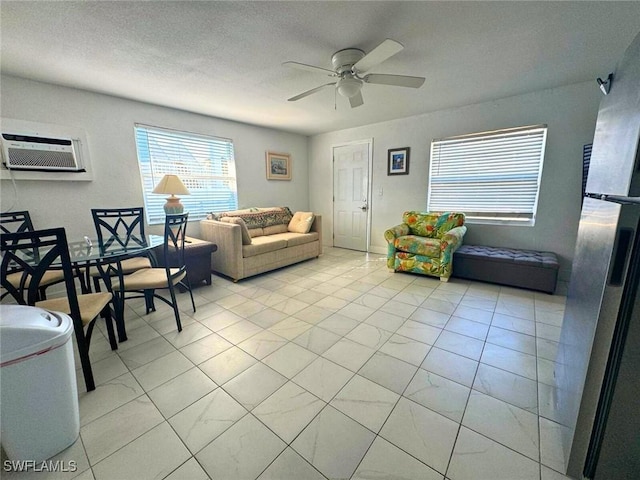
(507, 266)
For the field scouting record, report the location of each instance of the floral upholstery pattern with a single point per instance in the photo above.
(258, 217)
(425, 242)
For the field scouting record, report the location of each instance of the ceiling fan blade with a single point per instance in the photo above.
(396, 80)
(309, 92)
(378, 55)
(356, 100)
(310, 68)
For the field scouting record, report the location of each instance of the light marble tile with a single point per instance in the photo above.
(419, 331)
(339, 324)
(181, 391)
(239, 331)
(517, 310)
(161, 370)
(470, 312)
(504, 423)
(205, 348)
(317, 340)
(104, 371)
(421, 432)
(513, 340)
(290, 466)
(267, 318)
(323, 378)
(290, 306)
(506, 386)
(386, 321)
(549, 474)
(242, 452)
(347, 294)
(189, 334)
(254, 385)
(413, 295)
(190, 470)
(313, 314)
(547, 349)
(467, 327)
(221, 320)
(333, 443)
(454, 367)
(138, 336)
(370, 300)
(163, 453)
(247, 308)
(509, 360)
(288, 411)
(356, 311)
(206, 311)
(548, 332)
(290, 359)
(440, 394)
(107, 397)
(460, 344)
(388, 371)
(397, 307)
(349, 354)
(145, 353)
(309, 296)
(231, 300)
(290, 328)
(207, 418)
(519, 325)
(262, 344)
(105, 435)
(406, 349)
(551, 444)
(430, 317)
(548, 402)
(366, 402)
(226, 365)
(439, 305)
(270, 299)
(476, 456)
(368, 335)
(546, 371)
(386, 461)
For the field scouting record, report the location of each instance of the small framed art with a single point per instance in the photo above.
(278, 166)
(398, 161)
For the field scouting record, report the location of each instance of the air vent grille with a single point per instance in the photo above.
(41, 158)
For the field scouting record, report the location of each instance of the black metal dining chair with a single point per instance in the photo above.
(120, 227)
(144, 283)
(30, 254)
(16, 222)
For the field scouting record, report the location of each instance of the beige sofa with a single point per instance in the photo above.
(257, 240)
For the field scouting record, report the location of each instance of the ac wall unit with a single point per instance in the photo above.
(27, 152)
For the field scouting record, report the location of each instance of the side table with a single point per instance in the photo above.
(197, 257)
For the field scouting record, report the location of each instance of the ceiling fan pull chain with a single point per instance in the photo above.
(335, 99)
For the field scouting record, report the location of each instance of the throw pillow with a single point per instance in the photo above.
(246, 238)
(301, 222)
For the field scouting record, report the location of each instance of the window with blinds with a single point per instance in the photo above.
(492, 177)
(206, 166)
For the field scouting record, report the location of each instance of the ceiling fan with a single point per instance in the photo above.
(350, 66)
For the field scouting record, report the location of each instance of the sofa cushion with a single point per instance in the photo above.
(301, 222)
(294, 239)
(265, 217)
(256, 232)
(233, 213)
(432, 224)
(273, 229)
(246, 238)
(263, 244)
(429, 247)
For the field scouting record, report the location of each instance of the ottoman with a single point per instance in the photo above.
(197, 257)
(507, 266)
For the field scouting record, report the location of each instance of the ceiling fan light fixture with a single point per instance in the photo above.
(349, 86)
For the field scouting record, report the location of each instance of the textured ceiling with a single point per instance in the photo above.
(225, 58)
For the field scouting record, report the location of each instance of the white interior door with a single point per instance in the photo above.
(351, 196)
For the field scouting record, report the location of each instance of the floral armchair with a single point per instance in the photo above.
(424, 243)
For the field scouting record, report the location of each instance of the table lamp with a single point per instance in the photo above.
(171, 184)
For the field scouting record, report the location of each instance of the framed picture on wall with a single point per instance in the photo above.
(398, 161)
(278, 166)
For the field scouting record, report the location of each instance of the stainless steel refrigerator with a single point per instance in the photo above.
(598, 363)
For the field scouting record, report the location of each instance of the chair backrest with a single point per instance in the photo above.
(175, 227)
(432, 224)
(119, 226)
(13, 222)
(51, 248)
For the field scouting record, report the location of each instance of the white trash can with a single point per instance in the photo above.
(38, 392)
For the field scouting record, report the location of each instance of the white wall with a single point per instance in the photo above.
(570, 113)
(108, 122)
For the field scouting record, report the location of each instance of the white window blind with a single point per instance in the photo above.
(206, 166)
(492, 176)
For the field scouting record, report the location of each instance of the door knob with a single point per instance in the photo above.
(363, 208)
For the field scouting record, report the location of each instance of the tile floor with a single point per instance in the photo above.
(332, 368)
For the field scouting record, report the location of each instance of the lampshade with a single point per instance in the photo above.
(172, 185)
(349, 86)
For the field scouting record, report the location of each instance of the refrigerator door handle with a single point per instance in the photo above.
(621, 250)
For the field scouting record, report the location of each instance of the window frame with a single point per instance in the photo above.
(527, 135)
(192, 161)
